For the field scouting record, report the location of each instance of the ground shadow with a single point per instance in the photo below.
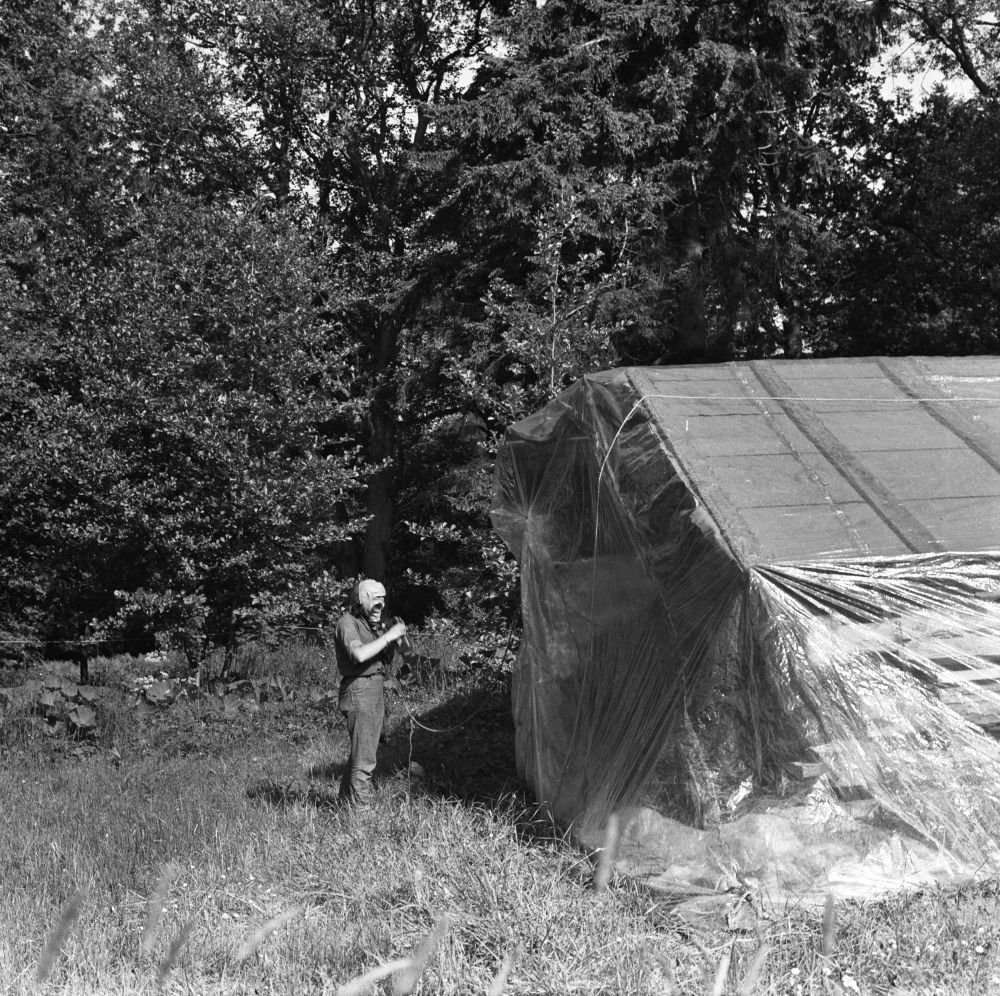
(287, 793)
(464, 745)
(327, 770)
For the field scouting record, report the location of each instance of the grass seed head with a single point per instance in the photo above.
(173, 953)
(753, 972)
(606, 857)
(57, 938)
(500, 980)
(262, 933)
(722, 972)
(829, 926)
(406, 981)
(363, 983)
(154, 908)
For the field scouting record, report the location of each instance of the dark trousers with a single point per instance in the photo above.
(362, 701)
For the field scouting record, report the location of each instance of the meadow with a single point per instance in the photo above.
(197, 847)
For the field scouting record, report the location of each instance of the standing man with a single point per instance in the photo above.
(364, 657)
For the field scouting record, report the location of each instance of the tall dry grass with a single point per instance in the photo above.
(185, 878)
(227, 869)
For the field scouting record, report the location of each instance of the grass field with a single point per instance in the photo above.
(182, 850)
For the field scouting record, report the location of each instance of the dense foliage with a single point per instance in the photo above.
(275, 274)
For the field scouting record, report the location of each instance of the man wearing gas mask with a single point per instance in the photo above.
(365, 654)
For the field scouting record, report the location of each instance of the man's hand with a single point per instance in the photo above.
(395, 632)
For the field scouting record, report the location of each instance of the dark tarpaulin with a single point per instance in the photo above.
(761, 600)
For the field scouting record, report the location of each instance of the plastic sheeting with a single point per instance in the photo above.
(761, 608)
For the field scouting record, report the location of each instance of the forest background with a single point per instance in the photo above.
(276, 274)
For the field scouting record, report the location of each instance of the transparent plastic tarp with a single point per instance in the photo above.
(761, 609)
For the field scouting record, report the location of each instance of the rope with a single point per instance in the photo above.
(439, 729)
(468, 719)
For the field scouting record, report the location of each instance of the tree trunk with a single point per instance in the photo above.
(793, 337)
(691, 330)
(231, 644)
(83, 661)
(382, 448)
(381, 493)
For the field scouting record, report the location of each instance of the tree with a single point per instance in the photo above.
(277, 274)
(53, 163)
(690, 139)
(176, 460)
(199, 122)
(238, 364)
(960, 38)
(334, 103)
(918, 271)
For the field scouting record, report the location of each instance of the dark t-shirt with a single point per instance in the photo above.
(350, 629)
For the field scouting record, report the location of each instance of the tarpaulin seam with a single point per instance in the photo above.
(659, 396)
(632, 376)
(940, 418)
(853, 534)
(914, 534)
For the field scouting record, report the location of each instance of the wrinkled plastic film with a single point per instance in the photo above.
(875, 663)
(605, 671)
(667, 666)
